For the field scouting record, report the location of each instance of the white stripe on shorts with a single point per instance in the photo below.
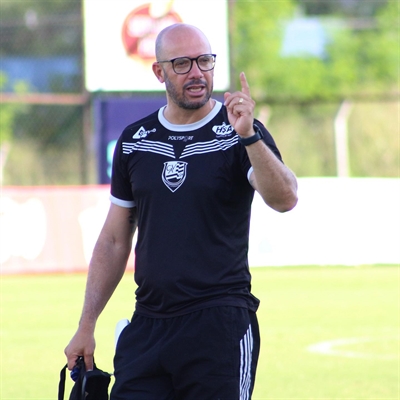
(246, 350)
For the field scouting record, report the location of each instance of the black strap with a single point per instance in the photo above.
(61, 385)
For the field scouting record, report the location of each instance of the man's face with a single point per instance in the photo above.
(189, 92)
(193, 90)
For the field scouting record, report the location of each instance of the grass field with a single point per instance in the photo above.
(300, 307)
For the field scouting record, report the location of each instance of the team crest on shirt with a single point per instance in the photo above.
(174, 174)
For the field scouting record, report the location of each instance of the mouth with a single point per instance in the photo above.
(195, 89)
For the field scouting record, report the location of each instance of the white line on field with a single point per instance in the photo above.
(330, 348)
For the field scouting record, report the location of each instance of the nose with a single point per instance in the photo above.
(195, 71)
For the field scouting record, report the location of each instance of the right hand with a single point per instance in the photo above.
(82, 344)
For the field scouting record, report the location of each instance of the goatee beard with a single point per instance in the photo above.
(182, 101)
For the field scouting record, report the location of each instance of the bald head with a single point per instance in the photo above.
(173, 37)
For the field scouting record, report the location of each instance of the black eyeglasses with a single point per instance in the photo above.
(182, 65)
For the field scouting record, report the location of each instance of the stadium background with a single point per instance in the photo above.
(325, 76)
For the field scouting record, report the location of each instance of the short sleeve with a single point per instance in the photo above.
(121, 190)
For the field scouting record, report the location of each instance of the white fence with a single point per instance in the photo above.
(338, 221)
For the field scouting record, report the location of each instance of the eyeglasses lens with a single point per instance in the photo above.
(184, 64)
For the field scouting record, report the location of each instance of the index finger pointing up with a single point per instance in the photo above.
(245, 85)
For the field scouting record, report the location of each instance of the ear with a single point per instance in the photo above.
(158, 72)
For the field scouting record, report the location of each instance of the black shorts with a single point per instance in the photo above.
(205, 355)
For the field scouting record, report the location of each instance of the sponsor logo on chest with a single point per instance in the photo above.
(222, 130)
(181, 138)
(142, 133)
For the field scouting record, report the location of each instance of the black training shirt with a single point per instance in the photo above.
(190, 186)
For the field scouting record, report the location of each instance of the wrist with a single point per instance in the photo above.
(247, 141)
(87, 324)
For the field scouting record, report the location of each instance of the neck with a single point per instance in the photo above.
(179, 116)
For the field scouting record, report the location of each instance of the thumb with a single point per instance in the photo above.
(226, 95)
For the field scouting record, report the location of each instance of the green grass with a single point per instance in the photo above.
(299, 307)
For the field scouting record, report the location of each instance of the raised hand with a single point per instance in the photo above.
(240, 108)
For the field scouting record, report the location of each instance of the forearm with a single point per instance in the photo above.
(105, 272)
(106, 269)
(275, 182)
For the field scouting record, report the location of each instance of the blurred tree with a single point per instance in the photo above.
(359, 62)
(349, 8)
(356, 63)
(366, 61)
(51, 136)
(8, 115)
(256, 34)
(35, 27)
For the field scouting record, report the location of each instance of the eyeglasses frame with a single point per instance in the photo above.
(191, 61)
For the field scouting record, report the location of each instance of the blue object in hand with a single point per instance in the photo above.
(75, 373)
(76, 370)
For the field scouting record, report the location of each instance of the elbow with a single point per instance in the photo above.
(284, 204)
(289, 205)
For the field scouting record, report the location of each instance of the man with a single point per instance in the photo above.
(185, 176)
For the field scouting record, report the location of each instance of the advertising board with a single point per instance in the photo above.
(338, 221)
(120, 40)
